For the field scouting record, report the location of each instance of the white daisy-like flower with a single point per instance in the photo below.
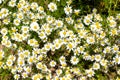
(68, 10)
(17, 76)
(34, 6)
(12, 3)
(115, 48)
(63, 33)
(25, 29)
(90, 40)
(48, 46)
(87, 21)
(40, 9)
(96, 66)
(58, 72)
(59, 23)
(81, 49)
(74, 60)
(114, 31)
(4, 31)
(9, 63)
(16, 22)
(34, 26)
(112, 23)
(52, 7)
(107, 49)
(39, 65)
(62, 59)
(52, 63)
(24, 75)
(98, 57)
(27, 69)
(21, 62)
(103, 62)
(90, 73)
(116, 59)
(42, 35)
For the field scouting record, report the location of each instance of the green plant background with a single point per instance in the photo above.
(104, 7)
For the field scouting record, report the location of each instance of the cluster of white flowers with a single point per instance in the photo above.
(45, 47)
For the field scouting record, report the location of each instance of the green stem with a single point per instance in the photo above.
(109, 10)
(115, 4)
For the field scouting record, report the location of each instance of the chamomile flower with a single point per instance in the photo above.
(107, 50)
(74, 60)
(34, 6)
(115, 48)
(9, 63)
(48, 46)
(40, 9)
(114, 32)
(69, 20)
(90, 40)
(98, 57)
(58, 72)
(16, 22)
(62, 59)
(39, 65)
(40, 57)
(31, 60)
(5, 12)
(4, 31)
(112, 24)
(59, 23)
(12, 3)
(21, 62)
(87, 21)
(19, 69)
(52, 7)
(20, 15)
(98, 17)
(33, 42)
(34, 26)
(50, 19)
(25, 29)
(71, 45)
(103, 62)
(63, 33)
(82, 33)
(116, 60)
(42, 35)
(8, 43)
(68, 10)
(6, 21)
(24, 75)
(12, 57)
(52, 63)
(27, 69)
(110, 18)
(96, 66)
(90, 73)
(81, 49)
(17, 76)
